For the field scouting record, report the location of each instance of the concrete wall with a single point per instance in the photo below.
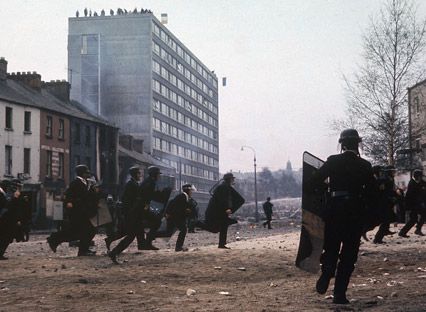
(125, 45)
(20, 140)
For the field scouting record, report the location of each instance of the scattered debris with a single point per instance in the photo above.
(394, 294)
(372, 280)
(386, 274)
(272, 285)
(329, 297)
(225, 293)
(380, 297)
(421, 276)
(4, 289)
(359, 285)
(392, 283)
(241, 269)
(190, 292)
(143, 282)
(131, 292)
(218, 268)
(83, 281)
(385, 259)
(63, 267)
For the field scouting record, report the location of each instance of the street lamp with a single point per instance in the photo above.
(255, 180)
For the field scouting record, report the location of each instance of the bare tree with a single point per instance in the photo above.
(393, 55)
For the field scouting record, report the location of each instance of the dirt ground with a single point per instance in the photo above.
(258, 274)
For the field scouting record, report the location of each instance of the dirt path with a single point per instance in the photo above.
(391, 277)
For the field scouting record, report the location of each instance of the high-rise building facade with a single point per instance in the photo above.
(132, 70)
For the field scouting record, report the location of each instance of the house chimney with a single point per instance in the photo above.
(58, 88)
(3, 69)
(126, 141)
(138, 145)
(30, 79)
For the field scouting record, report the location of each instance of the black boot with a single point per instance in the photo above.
(323, 283)
(341, 285)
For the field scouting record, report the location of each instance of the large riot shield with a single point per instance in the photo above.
(103, 215)
(312, 230)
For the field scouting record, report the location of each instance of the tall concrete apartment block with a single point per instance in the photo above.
(132, 70)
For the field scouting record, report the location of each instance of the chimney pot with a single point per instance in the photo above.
(3, 69)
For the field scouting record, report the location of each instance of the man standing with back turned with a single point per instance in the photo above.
(351, 181)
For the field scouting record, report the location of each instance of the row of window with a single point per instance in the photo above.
(161, 70)
(192, 170)
(172, 113)
(174, 149)
(183, 54)
(49, 127)
(9, 160)
(164, 127)
(9, 120)
(179, 100)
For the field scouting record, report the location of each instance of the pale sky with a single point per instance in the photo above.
(283, 61)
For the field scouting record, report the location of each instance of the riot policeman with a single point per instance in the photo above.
(177, 213)
(415, 203)
(77, 203)
(351, 181)
(140, 215)
(130, 194)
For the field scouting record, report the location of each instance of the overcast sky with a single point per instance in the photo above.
(283, 60)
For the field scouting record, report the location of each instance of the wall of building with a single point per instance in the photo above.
(122, 64)
(19, 139)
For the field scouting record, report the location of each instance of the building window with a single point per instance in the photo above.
(61, 133)
(27, 160)
(8, 116)
(49, 164)
(416, 105)
(87, 136)
(61, 165)
(49, 126)
(77, 133)
(27, 122)
(8, 160)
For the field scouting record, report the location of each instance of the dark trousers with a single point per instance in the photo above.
(180, 224)
(79, 229)
(383, 230)
(223, 233)
(341, 246)
(414, 218)
(5, 240)
(268, 221)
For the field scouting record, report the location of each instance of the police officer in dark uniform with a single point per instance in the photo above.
(9, 220)
(415, 202)
(388, 200)
(77, 200)
(130, 194)
(140, 215)
(221, 207)
(177, 212)
(351, 181)
(267, 209)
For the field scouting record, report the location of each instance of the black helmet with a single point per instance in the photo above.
(81, 170)
(348, 135)
(417, 173)
(228, 176)
(134, 170)
(5, 184)
(153, 171)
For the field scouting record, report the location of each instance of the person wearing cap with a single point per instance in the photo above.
(221, 207)
(415, 203)
(128, 199)
(140, 215)
(267, 209)
(389, 198)
(76, 202)
(351, 183)
(177, 212)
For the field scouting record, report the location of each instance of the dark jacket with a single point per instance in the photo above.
(267, 208)
(414, 198)
(351, 184)
(224, 197)
(130, 194)
(179, 207)
(77, 194)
